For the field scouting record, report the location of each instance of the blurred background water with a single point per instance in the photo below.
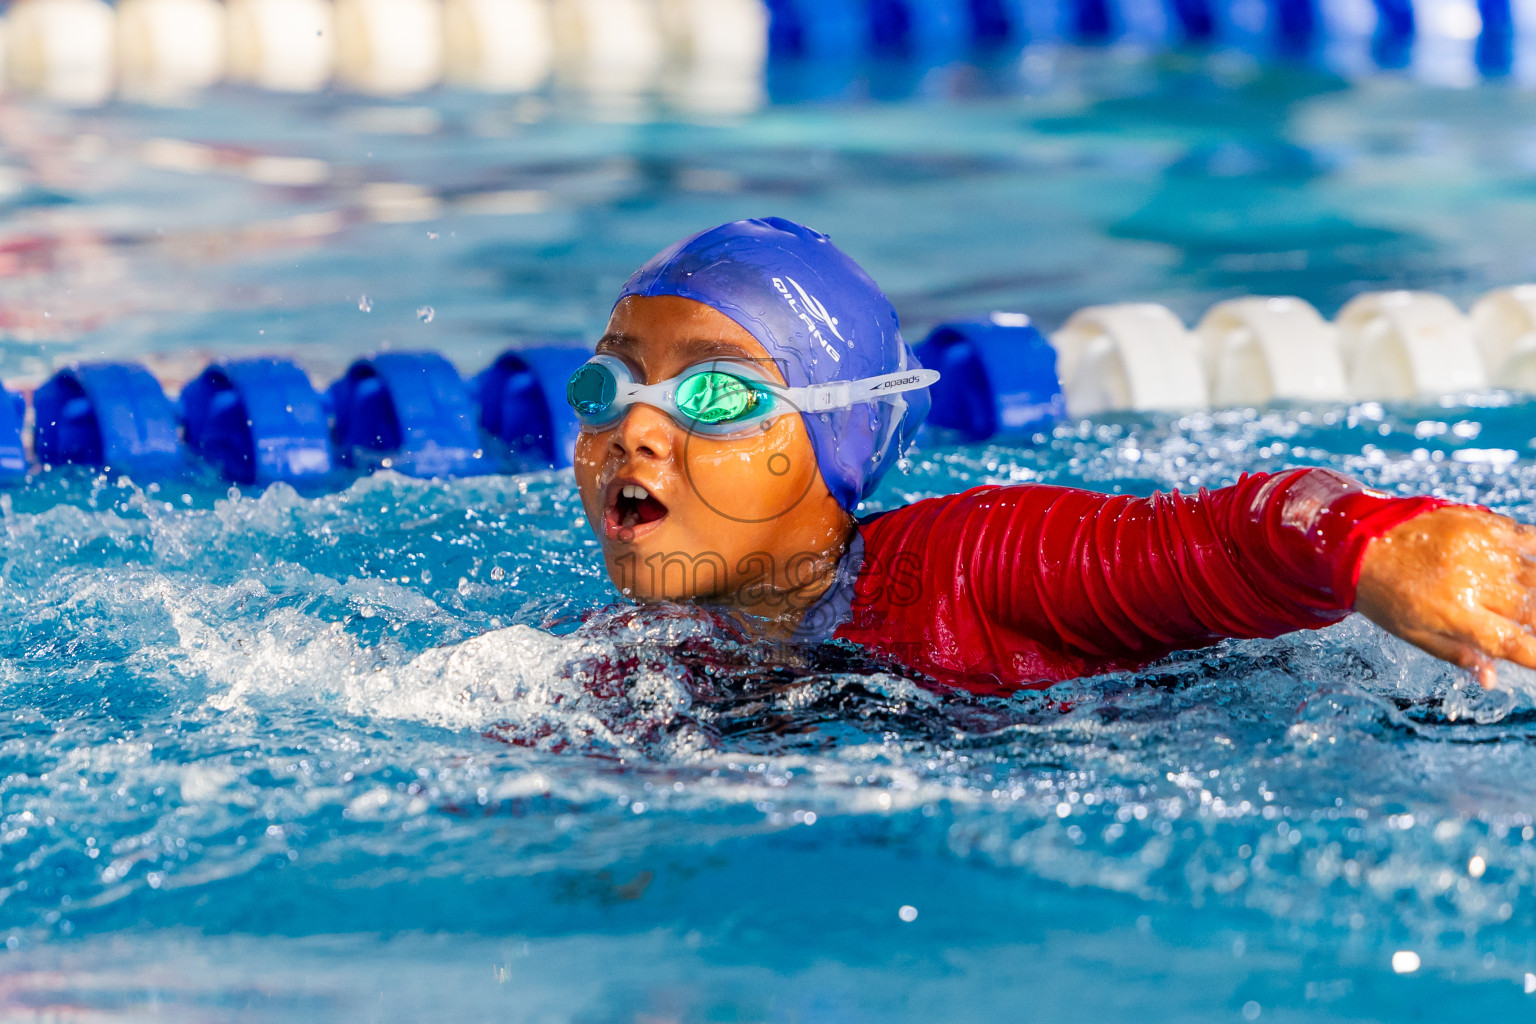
(391, 754)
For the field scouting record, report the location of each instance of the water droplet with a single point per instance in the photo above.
(498, 573)
(1405, 961)
(365, 304)
(907, 913)
(1251, 1010)
(425, 314)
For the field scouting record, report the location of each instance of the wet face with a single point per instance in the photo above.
(684, 516)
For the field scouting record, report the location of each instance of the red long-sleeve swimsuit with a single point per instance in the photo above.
(1005, 587)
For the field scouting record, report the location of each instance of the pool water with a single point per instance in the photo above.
(392, 753)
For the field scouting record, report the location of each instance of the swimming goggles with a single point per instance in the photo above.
(722, 398)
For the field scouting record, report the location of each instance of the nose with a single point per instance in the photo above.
(644, 431)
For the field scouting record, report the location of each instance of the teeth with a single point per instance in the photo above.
(635, 491)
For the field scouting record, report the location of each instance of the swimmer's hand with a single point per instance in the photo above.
(1459, 583)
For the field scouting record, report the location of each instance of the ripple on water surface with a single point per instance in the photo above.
(409, 706)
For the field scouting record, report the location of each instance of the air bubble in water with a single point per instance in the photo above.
(425, 314)
(365, 304)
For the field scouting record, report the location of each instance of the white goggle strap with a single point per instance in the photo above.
(886, 388)
(847, 394)
(893, 418)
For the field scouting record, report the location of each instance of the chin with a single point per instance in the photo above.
(664, 567)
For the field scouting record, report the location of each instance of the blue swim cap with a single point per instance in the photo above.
(820, 316)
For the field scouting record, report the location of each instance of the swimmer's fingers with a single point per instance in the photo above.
(1491, 562)
(1459, 583)
(1524, 568)
(1513, 641)
(1508, 595)
(1522, 541)
(1476, 641)
(1519, 542)
(1509, 589)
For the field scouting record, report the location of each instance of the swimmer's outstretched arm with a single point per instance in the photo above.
(1459, 582)
(1039, 583)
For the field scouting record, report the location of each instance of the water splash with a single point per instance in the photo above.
(199, 693)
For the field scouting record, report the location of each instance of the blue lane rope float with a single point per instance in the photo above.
(998, 376)
(522, 401)
(1392, 41)
(408, 411)
(999, 24)
(1194, 21)
(109, 415)
(81, 50)
(817, 29)
(257, 421)
(1294, 26)
(924, 30)
(1093, 21)
(13, 453)
(260, 420)
(1496, 43)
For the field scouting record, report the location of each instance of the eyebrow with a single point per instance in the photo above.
(693, 349)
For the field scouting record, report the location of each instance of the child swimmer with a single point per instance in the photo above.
(753, 387)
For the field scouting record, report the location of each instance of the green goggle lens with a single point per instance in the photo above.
(715, 397)
(591, 389)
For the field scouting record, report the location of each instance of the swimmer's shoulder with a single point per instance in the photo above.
(968, 502)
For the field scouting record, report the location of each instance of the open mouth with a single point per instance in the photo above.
(632, 507)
